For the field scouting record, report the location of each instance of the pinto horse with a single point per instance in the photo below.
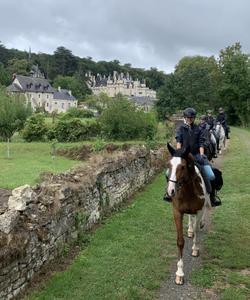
(187, 189)
(220, 131)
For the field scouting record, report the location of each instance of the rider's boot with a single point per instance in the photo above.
(214, 199)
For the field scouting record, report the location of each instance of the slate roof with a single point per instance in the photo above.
(141, 100)
(31, 84)
(63, 95)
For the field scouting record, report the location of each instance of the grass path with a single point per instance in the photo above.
(226, 267)
(130, 255)
(127, 258)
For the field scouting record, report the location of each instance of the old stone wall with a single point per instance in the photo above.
(37, 222)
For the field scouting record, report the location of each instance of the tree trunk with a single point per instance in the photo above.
(8, 148)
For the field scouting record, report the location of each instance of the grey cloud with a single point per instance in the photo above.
(145, 33)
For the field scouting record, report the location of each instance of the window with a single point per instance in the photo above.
(62, 105)
(39, 95)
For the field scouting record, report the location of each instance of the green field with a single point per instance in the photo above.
(27, 161)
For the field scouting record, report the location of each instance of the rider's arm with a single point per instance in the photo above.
(201, 149)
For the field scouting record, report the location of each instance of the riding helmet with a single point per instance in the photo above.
(203, 118)
(189, 112)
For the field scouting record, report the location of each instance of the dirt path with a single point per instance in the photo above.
(169, 290)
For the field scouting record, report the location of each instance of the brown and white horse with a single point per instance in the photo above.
(187, 189)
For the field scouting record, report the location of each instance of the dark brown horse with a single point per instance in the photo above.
(187, 189)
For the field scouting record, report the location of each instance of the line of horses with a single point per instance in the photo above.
(190, 197)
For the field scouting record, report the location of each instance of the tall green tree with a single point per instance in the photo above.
(13, 114)
(78, 88)
(65, 62)
(4, 76)
(196, 76)
(19, 66)
(235, 84)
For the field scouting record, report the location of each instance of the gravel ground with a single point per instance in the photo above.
(169, 290)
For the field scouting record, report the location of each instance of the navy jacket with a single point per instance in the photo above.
(192, 137)
(222, 118)
(210, 121)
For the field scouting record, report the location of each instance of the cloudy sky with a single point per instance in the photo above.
(145, 33)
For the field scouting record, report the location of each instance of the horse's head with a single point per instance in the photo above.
(181, 167)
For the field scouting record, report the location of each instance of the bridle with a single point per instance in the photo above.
(179, 183)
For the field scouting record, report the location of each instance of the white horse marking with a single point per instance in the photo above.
(175, 161)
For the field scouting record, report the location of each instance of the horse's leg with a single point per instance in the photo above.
(190, 226)
(195, 248)
(178, 218)
(220, 146)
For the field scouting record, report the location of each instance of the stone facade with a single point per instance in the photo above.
(124, 84)
(39, 93)
(39, 221)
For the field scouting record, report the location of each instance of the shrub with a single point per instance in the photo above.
(34, 128)
(72, 130)
(122, 120)
(79, 113)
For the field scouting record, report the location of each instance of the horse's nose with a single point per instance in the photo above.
(172, 193)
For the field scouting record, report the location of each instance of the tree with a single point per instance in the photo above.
(196, 76)
(235, 84)
(169, 101)
(154, 78)
(78, 88)
(19, 66)
(98, 102)
(65, 62)
(122, 120)
(13, 113)
(4, 76)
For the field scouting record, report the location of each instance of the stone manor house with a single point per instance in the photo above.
(39, 93)
(135, 90)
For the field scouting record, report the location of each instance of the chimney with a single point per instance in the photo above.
(59, 89)
(13, 76)
(70, 93)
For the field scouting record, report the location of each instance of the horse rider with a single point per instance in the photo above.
(210, 119)
(221, 118)
(209, 147)
(191, 135)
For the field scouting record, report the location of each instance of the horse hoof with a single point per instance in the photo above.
(195, 253)
(179, 280)
(190, 234)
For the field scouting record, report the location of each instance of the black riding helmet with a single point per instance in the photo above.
(189, 112)
(203, 118)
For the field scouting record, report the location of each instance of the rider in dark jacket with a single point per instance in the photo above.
(210, 119)
(191, 135)
(221, 118)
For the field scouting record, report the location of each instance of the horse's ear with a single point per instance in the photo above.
(171, 149)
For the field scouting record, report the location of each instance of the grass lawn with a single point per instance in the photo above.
(227, 264)
(27, 161)
(127, 258)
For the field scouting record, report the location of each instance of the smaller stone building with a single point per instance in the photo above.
(39, 93)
